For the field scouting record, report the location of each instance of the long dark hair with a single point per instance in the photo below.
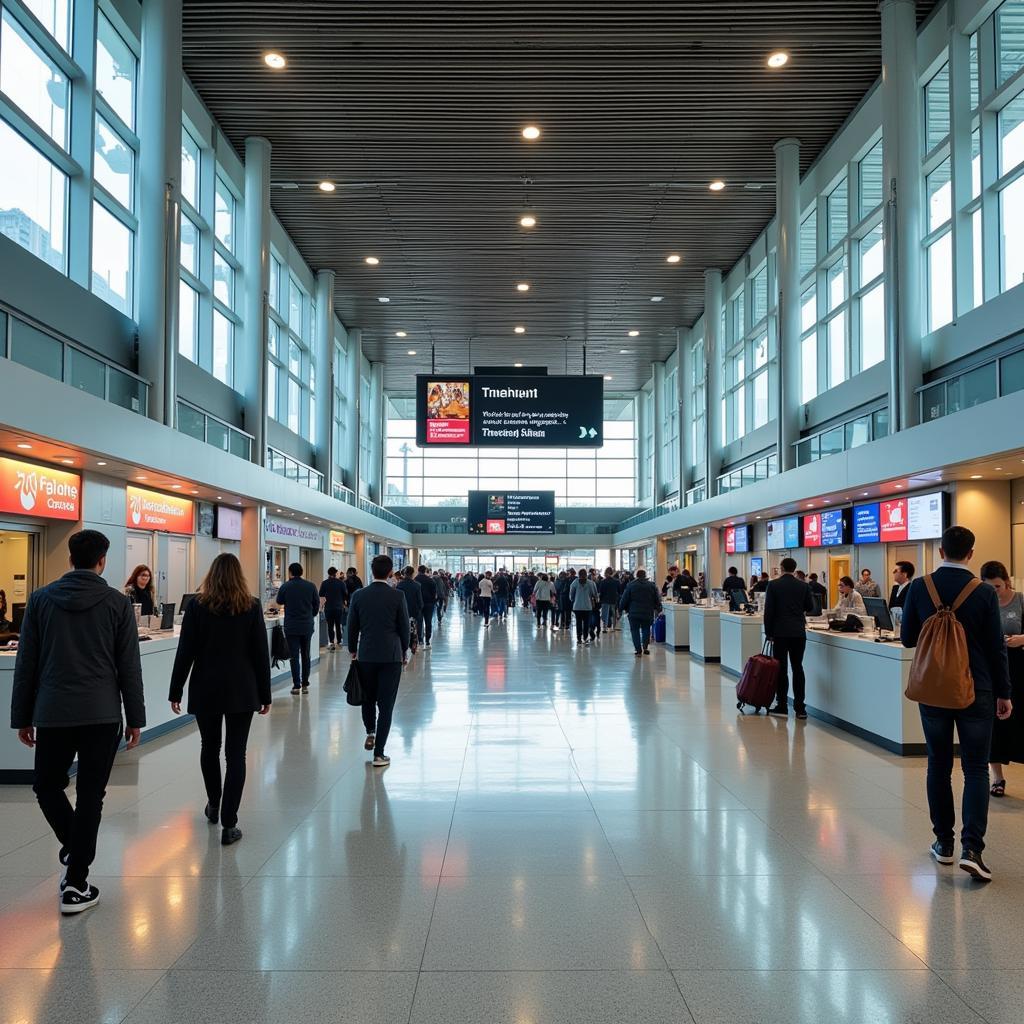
(133, 581)
(224, 589)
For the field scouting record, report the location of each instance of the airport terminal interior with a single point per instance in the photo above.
(691, 292)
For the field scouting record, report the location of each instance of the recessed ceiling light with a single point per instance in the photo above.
(999, 469)
(100, 463)
(523, 286)
(175, 487)
(865, 494)
(383, 298)
(195, 492)
(518, 365)
(673, 257)
(25, 447)
(810, 504)
(531, 132)
(828, 501)
(411, 352)
(371, 261)
(625, 351)
(400, 334)
(608, 376)
(717, 185)
(140, 478)
(899, 487)
(778, 59)
(274, 60)
(634, 334)
(976, 476)
(528, 221)
(326, 186)
(657, 298)
(519, 329)
(68, 462)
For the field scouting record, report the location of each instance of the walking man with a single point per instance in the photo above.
(786, 601)
(301, 604)
(78, 662)
(428, 592)
(642, 603)
(333, 596)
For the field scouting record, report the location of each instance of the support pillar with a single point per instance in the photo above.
(713, 387)
(324, 351)
(684, 358)
(352, 390)
(374, 472)
(657, 399)
(159, 204)
(901, 109)
(787, 274)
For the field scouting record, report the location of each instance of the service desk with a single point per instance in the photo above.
(705, 633)
(857, 685)
(677, 626)
(742, 637)
(157, 655)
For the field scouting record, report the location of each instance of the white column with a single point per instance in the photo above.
(251, 360)
(960, 147)
(159, 203)
(684, 400)
(375, 469)
(355, 359)
(901, 161)
(657, 400)
(714, 389)
(324, 352)
(787, 274)
(643, 483)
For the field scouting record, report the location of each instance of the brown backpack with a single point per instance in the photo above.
(941, 671)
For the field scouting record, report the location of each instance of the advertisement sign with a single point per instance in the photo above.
(756, 566)
(30, 490)
(867, 524)
(742, 540)
(812, 531)
(337, 540)
(893, 520)
(536, 411)
(784, 533)
(730, 540)
(293, 533)
(834, 528)
(228, 523)
(497, 513)
(151, 510)
(926, 516)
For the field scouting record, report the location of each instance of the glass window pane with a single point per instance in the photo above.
(978, 259)
(189, 246)
(1011, 373)
(55, 17)
(975, 90)
(191, 422)
(223, 330)
(85, 373)
(808, 309)
(808, 368)
(836, 284)
(275, 285)
(837, 350)
(940, 282)
(760, 385)
(971, 388)
(33, 199)
(114, 165)
(294, 406)
(217, 434)
(272, 405)
(190, 169)
(224, 215)
(126, 391)
(294, 307)
(871, 255)
(831, 442)
(116, 68)
(976, 163)
(759, 296)
(188, 322)
(1011, 217)
(940, 195)
(1010, 38)
(838, 214)
(936, 109)
(294, 358)
(760, 351)
(880, 424)
(223, 280)
(872, 327)
(933, 402)
(239, 445)
(871, 179)
(36, 350)
(112, 259)
(1011, 134)
(32, 81)
(808, 243)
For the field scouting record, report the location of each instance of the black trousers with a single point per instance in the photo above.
(583, 626)
(298, 646)
(335, 623)
(75, 828)
(227, 795)
(380, 681)
(427, 620)
(543, 607)
(791, 649)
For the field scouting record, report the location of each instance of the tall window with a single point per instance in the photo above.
(938, 227)
(289, 343)
(697, 404)
(670, 445)
(340, 404)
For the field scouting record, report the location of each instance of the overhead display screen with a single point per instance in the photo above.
(867, 524)
(500, 513)
(737, 540)
(462, 410)
(784, 533)
(834, 528)
(893, 520)
(926, 516)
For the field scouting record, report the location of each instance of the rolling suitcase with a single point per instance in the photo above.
(758, 683)
(659, 629)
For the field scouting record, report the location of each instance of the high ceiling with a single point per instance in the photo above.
(415, 108)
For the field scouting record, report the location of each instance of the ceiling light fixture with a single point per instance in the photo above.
(68, 462)
(25, 447)
(175, 487)
(383, 298)
(657, 298)
(779, 59)
(673, 257)
(518, 366)
(140, 478)
(371, 261)
(899, 487)
(608, 376)
(411, 352)
(528, 221)
(633, 334)
(274, 60)
(400, 334)
(326, 186)
(519, 329)
(976, 476)
(100, 463)
(717, 185)
(195, 492)
(523, 286)
(625, 351)
(531, 132)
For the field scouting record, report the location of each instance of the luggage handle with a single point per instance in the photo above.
(768, 648)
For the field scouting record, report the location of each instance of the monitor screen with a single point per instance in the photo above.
(738, 600)
(756, 566)
(834, 528)
(879, 611)
(730, 540)
(926, 516)
(812, 530)
(228, 523)
(816, 610)
(784, 533)
(499, 513)
(893, 520)
(742, 539)
(867, 526)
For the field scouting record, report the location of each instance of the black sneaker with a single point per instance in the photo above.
(305, 689)
(942, 851)
(295, 690)
(230, 835)
(212, 813)
(971, 862)
(64, 856)
(74, 901)
(779, 710)
(801, 714)
(647, 650)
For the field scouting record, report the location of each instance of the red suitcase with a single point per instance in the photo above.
(758, 683)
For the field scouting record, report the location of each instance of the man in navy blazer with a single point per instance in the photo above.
(986, 649)
(378, 637)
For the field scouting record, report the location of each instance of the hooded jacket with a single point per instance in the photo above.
(78, 657)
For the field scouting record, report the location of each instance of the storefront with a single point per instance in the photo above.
(160, 534)
(288, 542)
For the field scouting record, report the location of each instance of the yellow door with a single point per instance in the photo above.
(838, 565)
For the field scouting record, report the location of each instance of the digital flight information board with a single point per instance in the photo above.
(510, 513)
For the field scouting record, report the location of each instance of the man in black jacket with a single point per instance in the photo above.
(986, 651)
(301, 602)
(733, 581)
(641, 602)
(78, 661)
(786, 601)
(413, 598)
(902, 574)
(428, 592)
(378, 636)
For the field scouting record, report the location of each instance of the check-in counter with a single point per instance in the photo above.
(677, 626)
(705, 633)
(857, 684)
(742, 637)
(157, 655)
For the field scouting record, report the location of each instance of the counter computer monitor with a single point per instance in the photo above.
(815, 612)
(877, 608)
(738, 600)
(718, 595)
(167, 615)
(17, 617)
(185, 599)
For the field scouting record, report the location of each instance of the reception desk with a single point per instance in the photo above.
(705, 633)
(677, 626)
(157, 656)
(742, 636)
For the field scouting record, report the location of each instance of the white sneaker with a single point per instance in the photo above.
(331, 647)
(381, 762)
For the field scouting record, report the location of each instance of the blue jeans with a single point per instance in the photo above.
(608, 615)
(640, 631)
(500, 605)
(974, 729)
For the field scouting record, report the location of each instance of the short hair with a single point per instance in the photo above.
(295, 569)
(846, 581)
(332, 572)
(800, 574)
(994, 571)
(381, 567)
(764, 575)
(350, 571)
(641, 574)
(788, 565)
(813, 576)
(907, 568)
(88, 548)
(868, 571)
(420, 568)
(733, 571)
(957, 542)
(408, 572)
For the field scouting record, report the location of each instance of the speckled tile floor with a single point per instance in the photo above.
(564, 835)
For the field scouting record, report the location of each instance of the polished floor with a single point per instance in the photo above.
(564, 835)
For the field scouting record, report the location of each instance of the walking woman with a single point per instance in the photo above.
(141, 590)
(1008, 734)
(583, 594)
(223, 645)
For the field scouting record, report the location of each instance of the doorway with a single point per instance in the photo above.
(177, 578)
(19, 551)
(838, 566)
(139, 551)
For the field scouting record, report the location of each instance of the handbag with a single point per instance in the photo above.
(354, 685)
(279, 650)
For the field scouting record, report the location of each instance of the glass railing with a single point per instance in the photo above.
(1000, 376)
(345, 494)
(292, 469)
(43, 350)
(869, 426)
(198, 423)
(382, 513)
(695, 494)
(759, 469)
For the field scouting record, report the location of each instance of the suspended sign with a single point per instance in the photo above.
(30, 490)
(166, 513)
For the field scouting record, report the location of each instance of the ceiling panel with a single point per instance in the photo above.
(415, 110)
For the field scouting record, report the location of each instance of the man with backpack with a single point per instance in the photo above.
(959, 677)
